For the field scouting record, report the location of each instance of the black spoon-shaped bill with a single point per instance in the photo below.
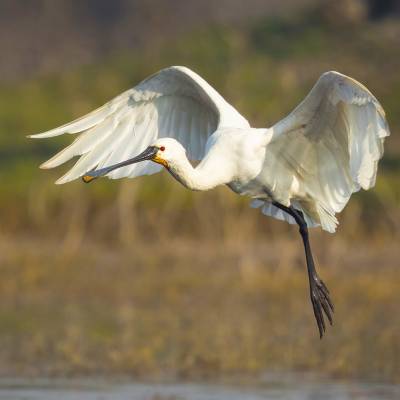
(148, 154)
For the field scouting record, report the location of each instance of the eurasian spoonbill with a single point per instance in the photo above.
(302, 170)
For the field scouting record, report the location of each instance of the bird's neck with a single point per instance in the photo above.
(207, 175)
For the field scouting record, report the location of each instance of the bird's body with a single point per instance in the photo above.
(223, 163)
(303, 169)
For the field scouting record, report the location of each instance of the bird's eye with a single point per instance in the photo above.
(162, 148)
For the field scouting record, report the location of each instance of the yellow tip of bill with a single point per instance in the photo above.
(88, 178)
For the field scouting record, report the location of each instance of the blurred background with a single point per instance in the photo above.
(146, 279)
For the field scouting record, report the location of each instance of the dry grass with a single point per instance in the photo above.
(150, 280)
(196, 308)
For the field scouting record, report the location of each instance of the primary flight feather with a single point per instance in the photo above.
(302, 170)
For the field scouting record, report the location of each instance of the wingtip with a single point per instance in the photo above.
(49, 164)
(61, 180)
(44, 166)
(38, 136)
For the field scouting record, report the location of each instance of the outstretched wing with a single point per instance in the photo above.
(326, 149)
(175, 102)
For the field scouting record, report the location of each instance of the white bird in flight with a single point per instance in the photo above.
(302, 170)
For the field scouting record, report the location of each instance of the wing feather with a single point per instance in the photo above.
(326, 149)
(90, 160)
(175, 102)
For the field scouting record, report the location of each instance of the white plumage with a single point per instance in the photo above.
(330, 144)
(175, 103)
(302, 170)
(325, 150)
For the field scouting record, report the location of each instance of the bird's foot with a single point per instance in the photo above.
(321, 302)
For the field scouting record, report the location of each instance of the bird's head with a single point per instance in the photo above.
(168, 151)
(164, 151)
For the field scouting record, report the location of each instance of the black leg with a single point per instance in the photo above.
(319, 293)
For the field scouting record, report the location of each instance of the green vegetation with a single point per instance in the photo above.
(146, 278)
